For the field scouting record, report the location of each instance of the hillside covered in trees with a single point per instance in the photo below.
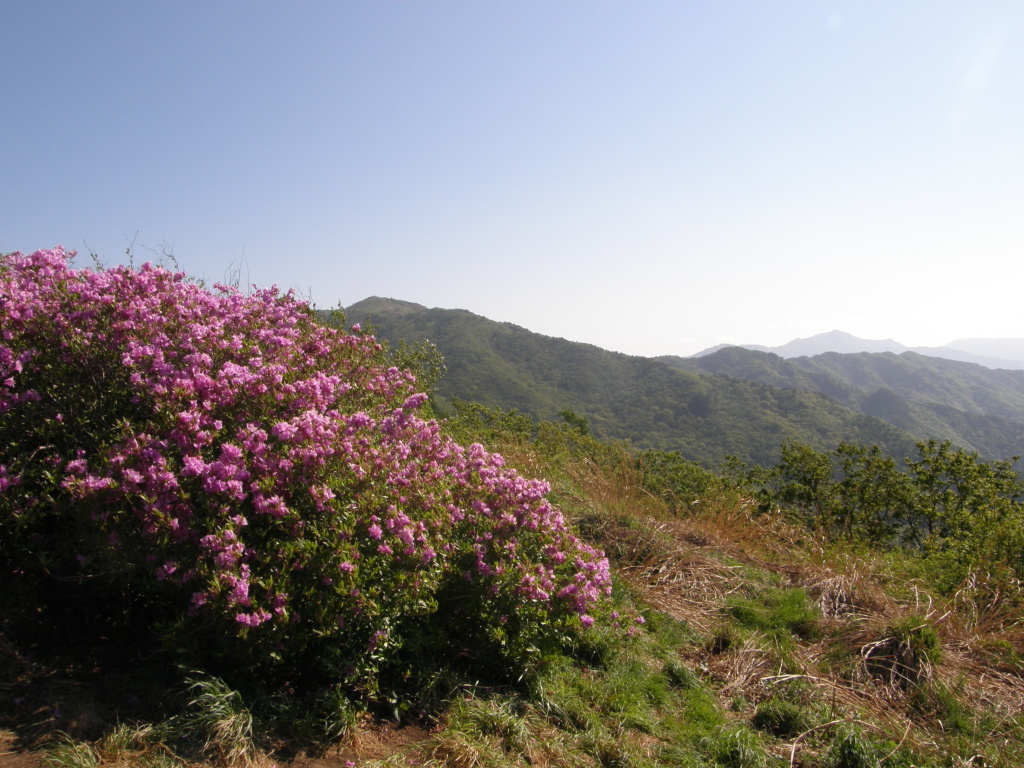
(735, 402)
(973, 406)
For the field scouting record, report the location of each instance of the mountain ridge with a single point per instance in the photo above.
(735, 401)
(986, 352)
(641, 400)
(973, 406)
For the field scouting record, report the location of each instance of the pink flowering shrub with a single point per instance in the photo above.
(256, 485)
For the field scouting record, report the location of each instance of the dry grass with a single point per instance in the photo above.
(885, 641)
(866, 668)
(845, 594)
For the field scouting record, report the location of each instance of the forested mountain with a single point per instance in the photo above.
(648, 402)
(991, 353)
(973, 406)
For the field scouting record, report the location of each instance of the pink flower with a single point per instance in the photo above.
(253, 619)
(261, 445)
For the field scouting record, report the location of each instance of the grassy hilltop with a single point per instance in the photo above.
(766, 643)
(234, 537)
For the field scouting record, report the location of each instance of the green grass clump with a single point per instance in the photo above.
(494, 728)
(779, 613)
(678, 675)
(738, 748)
(934, 700)
(69, 754)
(216, 725)
(906, 654)
(782, 718)
(851, 749)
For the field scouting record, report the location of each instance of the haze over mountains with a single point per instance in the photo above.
(992, 353)
(732, 402)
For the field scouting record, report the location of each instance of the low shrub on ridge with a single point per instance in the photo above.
(258, 487)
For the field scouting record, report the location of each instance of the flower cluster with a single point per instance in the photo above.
(273, 472)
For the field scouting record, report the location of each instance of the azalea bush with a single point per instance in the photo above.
(243, 486)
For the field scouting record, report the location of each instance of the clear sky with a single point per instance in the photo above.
(650, 177)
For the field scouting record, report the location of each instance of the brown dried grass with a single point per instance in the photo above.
(688, 566)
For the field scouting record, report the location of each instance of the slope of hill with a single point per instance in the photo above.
(645, 401)
(976, 407)
(763, 644)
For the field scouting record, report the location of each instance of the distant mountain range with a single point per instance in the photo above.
(735, 401)
(991, 353)
(973, 406)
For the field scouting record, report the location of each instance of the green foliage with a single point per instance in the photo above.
(576, 422)
(851, 492)
(905, 654)
(874, 497)
(738, 748)
(680, 483)
(726, 636)
(969, 512)
(501, 718)
(920, 638)
(803, 480)
(491, 426)
(216, 723)
(933, 699)
(421, 358)
(67, 753)
(679, 675)
(960, 512)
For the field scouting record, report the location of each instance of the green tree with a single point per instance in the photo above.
(474, 422)
(678, 481)
(803, 482)
(966, 509)
(575, 421)
(875, 499)
(954, 486)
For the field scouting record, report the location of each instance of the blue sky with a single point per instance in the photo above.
(650, 177)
